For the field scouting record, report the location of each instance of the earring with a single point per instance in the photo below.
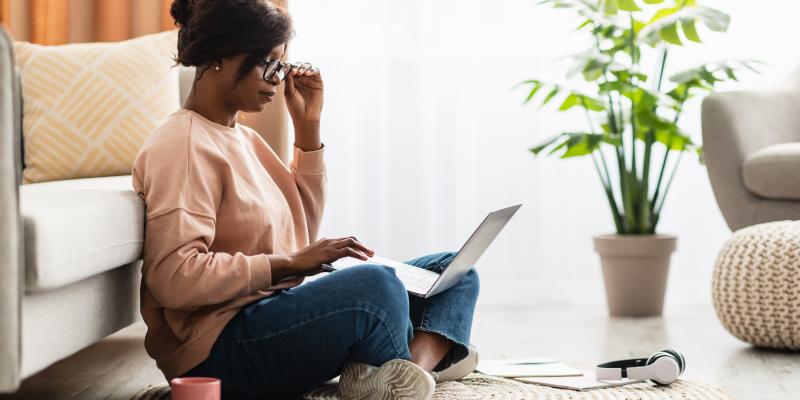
(216, 67)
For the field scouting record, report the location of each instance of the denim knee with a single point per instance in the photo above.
(442, 257)
(472, 282)
(379, 285)
(380, 294)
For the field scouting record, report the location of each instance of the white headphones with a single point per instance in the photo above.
(662, 368)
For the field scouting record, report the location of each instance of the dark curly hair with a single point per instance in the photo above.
(214, 29)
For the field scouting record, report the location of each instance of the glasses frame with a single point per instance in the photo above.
(274, 67)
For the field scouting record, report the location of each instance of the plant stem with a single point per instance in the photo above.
(644, 208)
(609, 196)
(621, 168)
(669, 184)
(660, 177)
(661, 69)
(608, 175)
(588, 118)
(632, 43)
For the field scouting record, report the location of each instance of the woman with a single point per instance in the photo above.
(230, 235)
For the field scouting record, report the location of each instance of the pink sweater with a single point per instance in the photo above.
(218, 200)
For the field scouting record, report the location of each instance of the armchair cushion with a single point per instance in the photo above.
(774, 172)
(78, 228)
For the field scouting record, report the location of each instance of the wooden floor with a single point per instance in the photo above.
(579, 334)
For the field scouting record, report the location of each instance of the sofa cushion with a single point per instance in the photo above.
(88, 107)
(78, 228)
(774, 172)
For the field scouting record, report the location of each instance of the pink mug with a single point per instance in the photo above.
(195, 388)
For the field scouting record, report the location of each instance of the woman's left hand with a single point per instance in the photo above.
(303, 92)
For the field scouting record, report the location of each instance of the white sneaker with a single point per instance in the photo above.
(394, 380)
(459, 369)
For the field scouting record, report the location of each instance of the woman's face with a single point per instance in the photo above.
(252, 92)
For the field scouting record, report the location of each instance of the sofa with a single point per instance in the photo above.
(751, 142)
(70, 250)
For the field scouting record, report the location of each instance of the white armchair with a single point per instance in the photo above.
(752, 150)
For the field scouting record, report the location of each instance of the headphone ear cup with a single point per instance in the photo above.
(678, 357)
(656, 356)
(666, 368)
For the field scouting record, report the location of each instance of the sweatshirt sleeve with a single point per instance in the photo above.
(181, 271)
(308, 169)
(182, 185)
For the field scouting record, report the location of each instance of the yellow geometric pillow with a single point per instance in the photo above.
(88, 107)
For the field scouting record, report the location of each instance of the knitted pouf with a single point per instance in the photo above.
(756, 285)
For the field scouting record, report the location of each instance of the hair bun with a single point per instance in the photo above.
(181, 10)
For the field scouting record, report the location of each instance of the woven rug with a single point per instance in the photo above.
(479, 386)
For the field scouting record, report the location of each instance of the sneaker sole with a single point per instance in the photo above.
(460, 369)
(395, 380)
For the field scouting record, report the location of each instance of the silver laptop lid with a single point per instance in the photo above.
(474, 248)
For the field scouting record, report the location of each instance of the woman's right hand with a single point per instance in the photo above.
(309, 260)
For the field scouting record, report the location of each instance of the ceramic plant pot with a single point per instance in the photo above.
(635, 269)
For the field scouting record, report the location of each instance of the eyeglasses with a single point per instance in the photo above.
(279, 68)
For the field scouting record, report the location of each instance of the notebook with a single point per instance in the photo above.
(580, 383)
(519, 367)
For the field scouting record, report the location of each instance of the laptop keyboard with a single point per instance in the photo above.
(415, 279)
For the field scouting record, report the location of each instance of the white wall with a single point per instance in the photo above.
(424, 135)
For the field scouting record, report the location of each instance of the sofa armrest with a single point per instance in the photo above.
(11, 255)
(735, 125)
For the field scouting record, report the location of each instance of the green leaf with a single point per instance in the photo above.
(558, 147)
(581, 144)
(661, 26)
(541, 146)
(571, 101)
(670, 34)
(707, 75)
(690, 30)
(575, 144)
(575, 99)
(550, 96)
(584, 24)
(615, 86)
(638, 25)
(535, 89)
(649, 120)
(581, 148)
(628, 5)
(674, 140)
(628, 75)
(653, 1)
(701, 155)
(661, 14)
(610, 7)
(729, 73)
(593, 74)
(715, 20)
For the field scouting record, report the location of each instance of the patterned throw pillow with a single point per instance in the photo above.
(88, 107)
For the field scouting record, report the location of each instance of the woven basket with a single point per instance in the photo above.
(756, 285)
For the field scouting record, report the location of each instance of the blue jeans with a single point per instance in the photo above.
(285, 344)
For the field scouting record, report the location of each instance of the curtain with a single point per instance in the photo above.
(72, 21)
(425, 134)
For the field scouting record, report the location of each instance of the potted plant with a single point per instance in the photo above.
(632, 135)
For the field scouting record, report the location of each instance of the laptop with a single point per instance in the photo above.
(423, 283)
